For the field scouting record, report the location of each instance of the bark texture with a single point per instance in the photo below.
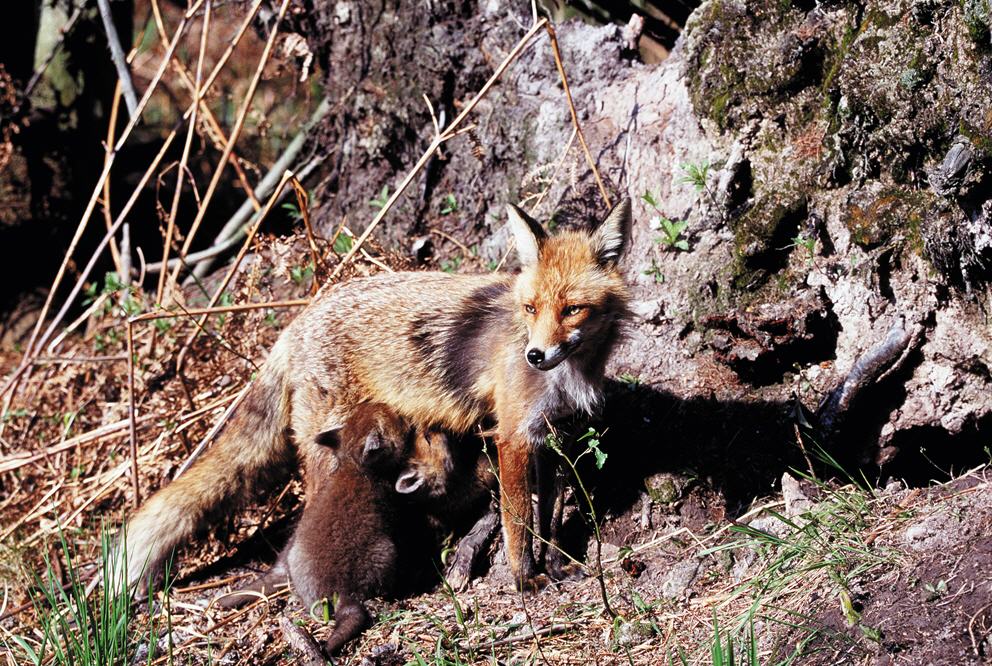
(844, 192)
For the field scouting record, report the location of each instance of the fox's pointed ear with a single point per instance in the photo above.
(331, 437)
(611, 236)
(527, 233)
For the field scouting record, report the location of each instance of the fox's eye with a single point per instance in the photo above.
(530, 309)
(571, 310)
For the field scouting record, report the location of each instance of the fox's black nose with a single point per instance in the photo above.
(535, 356)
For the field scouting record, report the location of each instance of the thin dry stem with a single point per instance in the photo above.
(232, 139)
(88, 212)
(303, 201)
(184, 159)
(242, 307)
(218, 68)
(575, 116)
(235, 264)
(132, 423)
(108, 218)
(216, 133)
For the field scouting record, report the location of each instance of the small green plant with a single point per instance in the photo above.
(224, 301)
(131, 303)
(380, 202)
(300, 274)
(449, 205)
(672, 234)
(101, 341)
(80, 631)
(591, 439)
(343, 243)
(451, 265)
(935, 590)
(696, 174)
(655, 272)
(722, 653)
(292, 210)
(630, 379)
(808, 243)
(671, 237)
(14, 414)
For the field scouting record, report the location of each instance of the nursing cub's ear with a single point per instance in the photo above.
(610, 238)
(527, 234)
(409, 481)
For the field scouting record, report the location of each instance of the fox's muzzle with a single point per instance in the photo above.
(546, 359)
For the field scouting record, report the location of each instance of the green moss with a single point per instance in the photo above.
(759, 225)
(896, 214)
(836, 56)
(980, 137)
(978, 19)
(718, 109)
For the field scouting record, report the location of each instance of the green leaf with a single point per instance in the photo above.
(112, 282)
(649, 199)
(872, 634)
(28, 651)
(850, 612)
(450, 205)
(343, 243)
(383, 198)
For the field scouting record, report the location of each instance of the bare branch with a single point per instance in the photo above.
(117, 55)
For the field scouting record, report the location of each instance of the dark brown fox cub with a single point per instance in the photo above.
(378, 495)
(345, 545)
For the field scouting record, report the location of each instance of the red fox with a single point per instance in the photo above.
(443, 351)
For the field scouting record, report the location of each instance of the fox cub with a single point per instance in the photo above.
(344, 547)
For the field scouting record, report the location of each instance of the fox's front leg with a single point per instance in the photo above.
(515, 508)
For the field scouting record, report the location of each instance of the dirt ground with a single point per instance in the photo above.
(817, 568)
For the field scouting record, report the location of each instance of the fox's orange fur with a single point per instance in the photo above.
(444, 351)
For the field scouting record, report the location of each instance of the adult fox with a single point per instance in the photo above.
(444, 351)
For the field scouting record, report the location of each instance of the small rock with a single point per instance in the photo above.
(949, 176)
(608, 551)
(742, 562)
(665, 487)
(386, 654)
(892, 487)
(679, 579)
(632, 31)
(796, 502)
(631, 634)
(916, 532)
(342, 13)
(770, 525)
(647, 310)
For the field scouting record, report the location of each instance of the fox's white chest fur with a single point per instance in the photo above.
(567, 390)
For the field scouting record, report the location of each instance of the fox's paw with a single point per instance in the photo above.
(567, 571)
(534, 583)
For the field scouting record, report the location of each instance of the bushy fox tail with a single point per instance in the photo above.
(229, 473)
